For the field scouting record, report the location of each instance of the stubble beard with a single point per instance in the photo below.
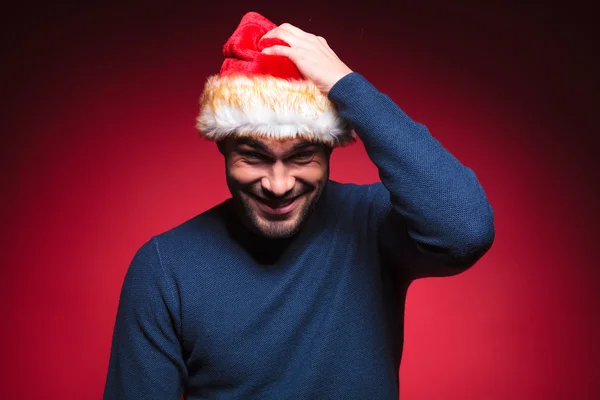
(278, 229)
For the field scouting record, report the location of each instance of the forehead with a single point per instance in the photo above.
(272, 145)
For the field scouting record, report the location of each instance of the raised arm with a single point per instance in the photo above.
(146, 359)
(434, 217)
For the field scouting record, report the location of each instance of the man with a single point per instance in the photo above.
(294, 287)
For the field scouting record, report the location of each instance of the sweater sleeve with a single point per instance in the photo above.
(433, 217)
(146, 357)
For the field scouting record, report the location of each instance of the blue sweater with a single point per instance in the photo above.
(209, 310)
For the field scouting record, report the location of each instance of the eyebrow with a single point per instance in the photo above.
(302, 146)
(252, 143)
(259, 145)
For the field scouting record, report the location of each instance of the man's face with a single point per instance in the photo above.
(275, 184)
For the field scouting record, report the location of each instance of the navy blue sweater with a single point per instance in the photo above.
(211, 311)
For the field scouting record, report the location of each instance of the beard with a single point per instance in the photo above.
(278, 227)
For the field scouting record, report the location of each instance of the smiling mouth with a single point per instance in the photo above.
(277, 207)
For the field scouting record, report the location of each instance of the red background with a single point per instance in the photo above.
(100, 153)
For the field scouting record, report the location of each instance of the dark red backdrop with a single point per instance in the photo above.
(100, 153)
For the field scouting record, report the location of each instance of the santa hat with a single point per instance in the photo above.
(262, 95)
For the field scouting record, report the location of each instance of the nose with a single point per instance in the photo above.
(278, 181)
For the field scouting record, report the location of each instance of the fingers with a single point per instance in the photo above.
(300, 34)
(293, 30)
(295, 36)
(278, 50)
(284, 34)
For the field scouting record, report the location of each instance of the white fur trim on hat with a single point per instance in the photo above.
(238, 105)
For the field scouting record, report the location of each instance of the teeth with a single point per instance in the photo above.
(281, 205)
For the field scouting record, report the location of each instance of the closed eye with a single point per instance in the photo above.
(302, 156)
(254, 156)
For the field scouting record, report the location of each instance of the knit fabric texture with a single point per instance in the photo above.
(209, 310)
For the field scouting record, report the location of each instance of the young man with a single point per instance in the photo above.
(294, 287)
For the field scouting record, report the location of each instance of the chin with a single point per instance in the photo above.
(278, 226)
(277, 229)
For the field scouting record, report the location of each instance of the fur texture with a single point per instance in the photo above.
(262, 105)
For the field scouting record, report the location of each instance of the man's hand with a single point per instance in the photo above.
(311, 54)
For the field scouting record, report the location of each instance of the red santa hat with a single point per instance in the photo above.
(262, 95)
